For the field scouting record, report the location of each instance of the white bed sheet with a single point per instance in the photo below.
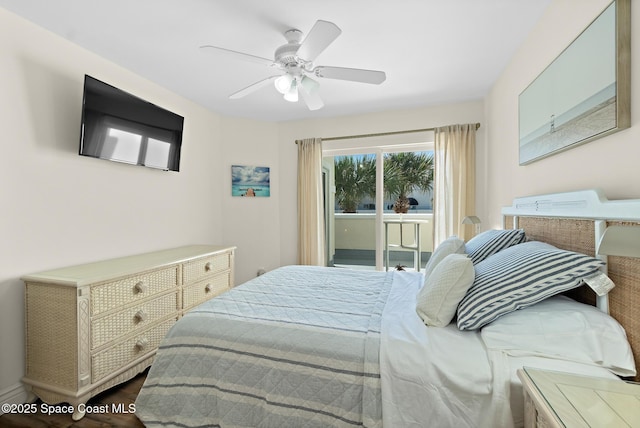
(440, 375)
(446, 377)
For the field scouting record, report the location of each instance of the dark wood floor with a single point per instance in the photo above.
(124, 394)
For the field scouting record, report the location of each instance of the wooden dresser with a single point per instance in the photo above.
(90, 327)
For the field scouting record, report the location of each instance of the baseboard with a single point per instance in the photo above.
(15, 394)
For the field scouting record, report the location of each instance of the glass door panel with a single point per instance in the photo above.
(408, 213)
(355, 185)
(351, 205)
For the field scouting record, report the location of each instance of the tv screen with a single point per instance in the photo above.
(121, 127)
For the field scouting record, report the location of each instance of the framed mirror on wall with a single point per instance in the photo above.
(585, 93)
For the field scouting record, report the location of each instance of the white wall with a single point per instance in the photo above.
(60, 209)
(252, 224)
(419, 118)
(610, 163)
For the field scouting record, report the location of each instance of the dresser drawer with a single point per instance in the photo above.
(205, 290)
(136, 317)
(197, 269)
(122, 292)
(120, 354)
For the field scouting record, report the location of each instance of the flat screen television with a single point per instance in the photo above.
(121, 127)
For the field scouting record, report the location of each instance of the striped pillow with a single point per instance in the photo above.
(490, 242)
(518, 277)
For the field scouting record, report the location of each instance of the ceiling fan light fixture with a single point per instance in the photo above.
(292, 93)
(309, 85)
(283, 83)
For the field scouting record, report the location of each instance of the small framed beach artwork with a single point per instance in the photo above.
(250, 181)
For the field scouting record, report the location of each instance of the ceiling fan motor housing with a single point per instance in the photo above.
(286, 54)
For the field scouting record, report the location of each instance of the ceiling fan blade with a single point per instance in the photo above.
(313, 101)
(352, 74)
(252, 88)
(321, 35)
(234, 55)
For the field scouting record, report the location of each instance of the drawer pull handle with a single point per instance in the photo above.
(207, 288)
(140, 316)
(142, 343)
(140, 287)
(207, 267)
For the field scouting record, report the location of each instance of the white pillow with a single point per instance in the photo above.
(451, 245)
(561, 328)
(443, 289)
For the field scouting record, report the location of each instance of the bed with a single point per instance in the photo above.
(314, 347)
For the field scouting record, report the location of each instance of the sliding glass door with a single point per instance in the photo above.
(377, 197)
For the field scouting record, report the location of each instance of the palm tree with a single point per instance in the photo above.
(405, 173)
(355, 178)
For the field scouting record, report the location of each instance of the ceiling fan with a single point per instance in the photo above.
(294, 67)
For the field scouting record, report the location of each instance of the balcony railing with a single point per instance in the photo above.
(354, 239)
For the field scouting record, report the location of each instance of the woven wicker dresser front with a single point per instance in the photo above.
(90, 327)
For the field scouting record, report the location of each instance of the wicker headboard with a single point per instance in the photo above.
(575, 221)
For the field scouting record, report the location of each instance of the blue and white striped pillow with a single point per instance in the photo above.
(518, 277)
(492, 241)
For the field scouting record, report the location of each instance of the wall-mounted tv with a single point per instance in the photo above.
(121, 127)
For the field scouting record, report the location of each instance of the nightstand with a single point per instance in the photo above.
(555, 399)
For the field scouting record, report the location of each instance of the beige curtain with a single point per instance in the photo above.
(311, 243)
(454, 183)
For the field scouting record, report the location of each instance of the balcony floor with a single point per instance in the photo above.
(365, 259)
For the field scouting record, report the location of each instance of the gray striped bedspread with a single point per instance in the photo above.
(296, 347)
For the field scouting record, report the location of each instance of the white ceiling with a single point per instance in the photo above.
(433, 51)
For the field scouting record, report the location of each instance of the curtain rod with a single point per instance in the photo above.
(382, 134)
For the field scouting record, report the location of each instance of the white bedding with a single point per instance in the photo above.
(448, 377)
(428, 376)
(441, 375)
